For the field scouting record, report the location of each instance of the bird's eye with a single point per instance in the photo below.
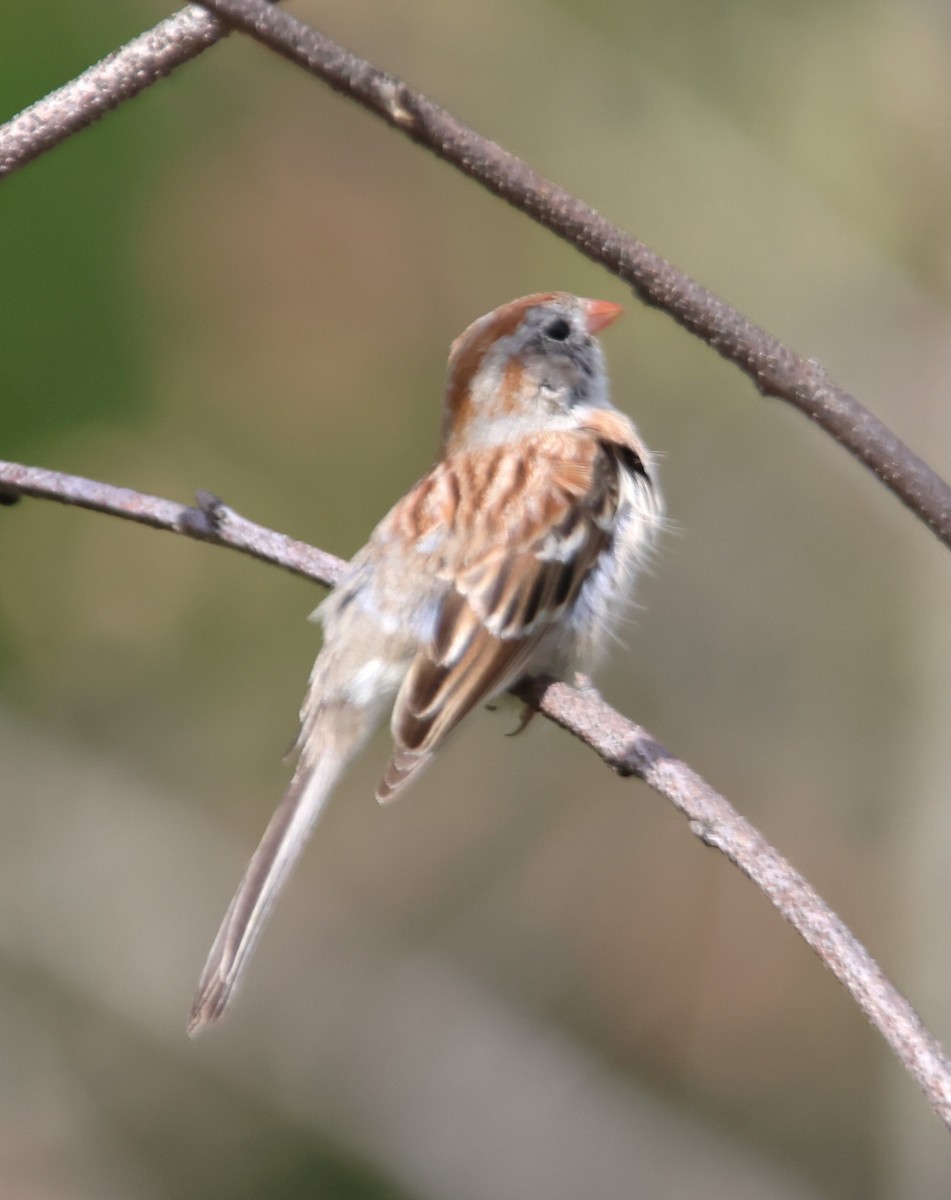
(558, 330)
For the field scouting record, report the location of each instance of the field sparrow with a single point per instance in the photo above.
(512, 557)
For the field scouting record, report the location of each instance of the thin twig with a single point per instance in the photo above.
(625, 747)
(208, 520)
(630, 750)
(774, 368)
(120, 76)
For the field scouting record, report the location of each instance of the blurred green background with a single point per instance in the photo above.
(527, 979)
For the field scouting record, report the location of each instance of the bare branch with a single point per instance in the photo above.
(774, 368)
(120, 76)
(630, 750)
(208, 520)
(627, 748)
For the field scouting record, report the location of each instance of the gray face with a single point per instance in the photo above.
(524, 368)
(561, 358)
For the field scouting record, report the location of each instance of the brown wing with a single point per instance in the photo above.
(532, 560)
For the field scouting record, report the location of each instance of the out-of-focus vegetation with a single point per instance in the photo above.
(527, 979)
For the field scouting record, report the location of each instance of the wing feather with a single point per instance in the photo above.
(499, 604)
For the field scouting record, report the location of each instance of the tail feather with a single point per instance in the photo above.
(404, 766)
(281, 846)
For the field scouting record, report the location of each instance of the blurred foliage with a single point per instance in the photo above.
(240, 282)
(68, 340)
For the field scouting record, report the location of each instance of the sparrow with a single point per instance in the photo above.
(512, 557)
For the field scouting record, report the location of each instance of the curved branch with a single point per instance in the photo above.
(774, 368)
(630, 750)
(626, 747)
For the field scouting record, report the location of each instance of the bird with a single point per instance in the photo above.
(513, 557)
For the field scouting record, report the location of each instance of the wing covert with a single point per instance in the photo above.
(512, 560)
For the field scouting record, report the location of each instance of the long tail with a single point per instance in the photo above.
(325, 756)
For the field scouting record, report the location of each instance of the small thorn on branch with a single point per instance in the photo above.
(706, 832)
(205, 517)
(395, 97)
